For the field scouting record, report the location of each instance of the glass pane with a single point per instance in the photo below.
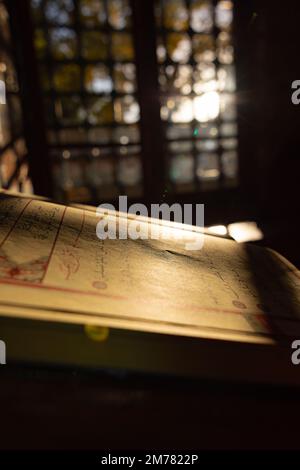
(178, 109)
(161, 50)
(119, 13)
(127, 110)
(206, 130)
(97, 79)
(94, 45)
(228, 109)
(230, 163)
(226, 78)
(129, 150)
(229, 129)
(180, 147)
(224, 14)
(179, 132)
(67, 77)
(179, 47)
(68, 136)
(208, 166)
(175, 15)
(122, 46)
(205, 78)
(229, 144)
(63, 43)
(182, 169)
(124, 78)
(201, 16)
(207, 106)
(126, 134)
(99, 135)
(92, 12)
(204, 48)
(59, 11)
(225, 48)
(69, 110)
(100, 172)
(177, 79)
(207, 145)
(129, 171)
(99, 111)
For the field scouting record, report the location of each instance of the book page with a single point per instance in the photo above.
(54, 267)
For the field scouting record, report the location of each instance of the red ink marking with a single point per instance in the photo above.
(70, 262)
(53, 246)
(60, 289)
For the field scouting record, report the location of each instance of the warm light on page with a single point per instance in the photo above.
(245, 232)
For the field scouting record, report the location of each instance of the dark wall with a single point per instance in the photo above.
(267, 37)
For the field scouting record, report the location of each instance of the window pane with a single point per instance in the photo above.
(127, 110)
(197, 91)
(67, 77)
(97, 79)
(119, 14)
(122, 47)
(99, 111)
(94, 45)
(63, 43)
(59, 11)
(92, 12)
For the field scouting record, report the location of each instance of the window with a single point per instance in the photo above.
(87, 68)
(197, 88)
(87, 71)
(13, 152)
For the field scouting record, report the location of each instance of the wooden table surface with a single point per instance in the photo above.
(56, 409)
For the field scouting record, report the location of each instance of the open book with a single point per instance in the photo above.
(226, 311)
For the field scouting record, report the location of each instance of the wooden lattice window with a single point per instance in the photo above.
(197, 89)
(87, 72)
(13, 151)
